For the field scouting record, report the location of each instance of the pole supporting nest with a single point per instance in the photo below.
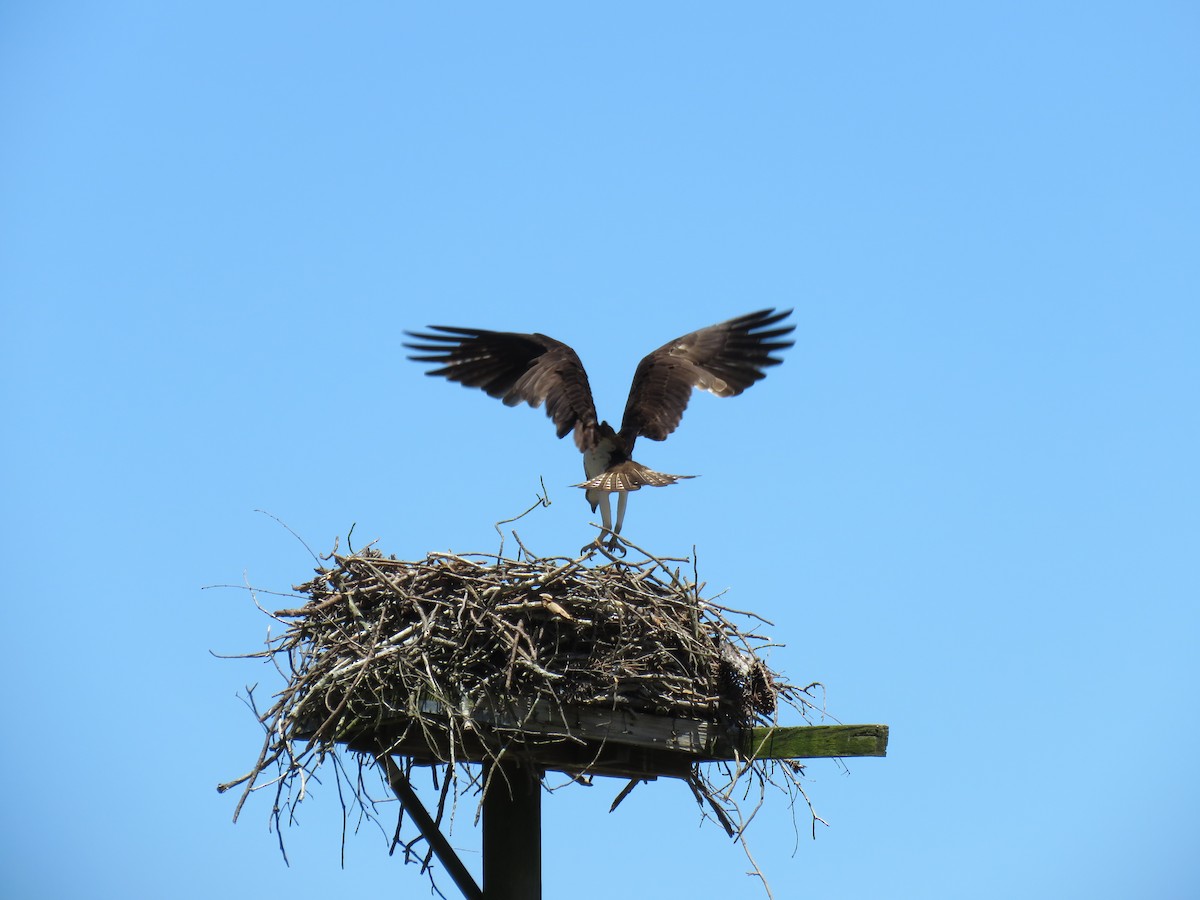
(512, 833)
(412, 804)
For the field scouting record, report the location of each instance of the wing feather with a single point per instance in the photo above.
(723, 359)
(515, 368)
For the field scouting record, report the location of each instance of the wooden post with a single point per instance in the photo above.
(512, 834)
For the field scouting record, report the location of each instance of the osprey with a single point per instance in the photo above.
(722, 359)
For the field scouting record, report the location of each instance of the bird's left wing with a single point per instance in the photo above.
(723, 359)
(515, 368)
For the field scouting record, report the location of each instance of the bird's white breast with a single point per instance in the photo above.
(597, 459)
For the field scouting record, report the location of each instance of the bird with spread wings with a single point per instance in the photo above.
(723, 359)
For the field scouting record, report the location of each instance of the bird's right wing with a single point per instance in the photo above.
(723, 359)
(515, 368)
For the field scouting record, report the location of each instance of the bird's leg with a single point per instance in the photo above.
(606, 513)
(614, 542)
(605, 521)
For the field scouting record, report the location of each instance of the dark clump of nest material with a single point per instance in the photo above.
(557, 664)
(387, 639)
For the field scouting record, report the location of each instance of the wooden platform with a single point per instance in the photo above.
(618, 742)
(574, 740)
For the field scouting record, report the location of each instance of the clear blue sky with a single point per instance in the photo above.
(969, 498)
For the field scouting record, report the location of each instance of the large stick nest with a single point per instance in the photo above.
(476, 658)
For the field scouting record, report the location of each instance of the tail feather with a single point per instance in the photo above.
(629, 476)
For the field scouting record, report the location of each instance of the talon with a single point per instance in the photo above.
(611, 547)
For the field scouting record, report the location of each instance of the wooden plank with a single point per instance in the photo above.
(814, 741)
(619, 726)
(594, 757)
(617, 742)
(689, 736)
